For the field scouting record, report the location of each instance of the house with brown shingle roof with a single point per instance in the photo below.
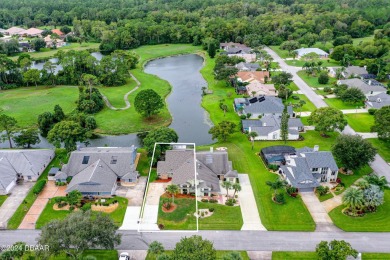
(32, 32)
(249, 76)
(13, 31)
(58, 32)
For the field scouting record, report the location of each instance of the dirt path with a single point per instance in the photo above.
(125, 97)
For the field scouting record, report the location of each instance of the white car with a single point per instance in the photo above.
(124, 256)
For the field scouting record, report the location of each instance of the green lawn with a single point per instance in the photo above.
(383, 148)
(293, 255)
(339, 104)
(326, 62)
(98, 254)
(116, 94)
(220, 254)
(348, 180)
(357, 41)
(282, 53)
(360, 122)
(313, 81)
(25, 104)
(50, 214)
(325, 197)
(223, 218)
(371, 256)
(371, 222)
(309, 106)
(143, 163)
(304, 120)
(2, 199)
(20, 213)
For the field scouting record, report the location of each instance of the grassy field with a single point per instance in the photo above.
(325, 197)
(20, 213)
(378, 221)
(223, 218)
(313, 256)
(326, 62)
(348, 180)
(25, 104)
(339, 104)
(220, 254)
(383, 148)
(2, 199)
(313, 81)
(282, 53)
(143, 163)
(357, 41)
(360, 122)
(309, 106)
(50, 214)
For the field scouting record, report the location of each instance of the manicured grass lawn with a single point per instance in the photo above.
(371, 256)
(116, 94)
(313, 81)
(98, 254)
(25, 104)
(357, 41)
(360, 122)
(220, 254)
(325, 62)
(2, 199)
(17, 218)
(50, 214)
(378, 221)
(143, 163)
(309, 106)
(304, 120)
(339, 104)
(383, 148)
(293, 255)
(348, 180)
(282, 53)
(223, 218)
(325, 197)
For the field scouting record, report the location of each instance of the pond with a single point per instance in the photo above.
(190, 120)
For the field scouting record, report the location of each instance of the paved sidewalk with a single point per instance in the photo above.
(368, 135)
(50, 191)
(354, 111)
(11, 204)
(250, 213)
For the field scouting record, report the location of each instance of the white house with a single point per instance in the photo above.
(303, 51)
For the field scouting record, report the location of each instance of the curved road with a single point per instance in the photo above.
(380, 166)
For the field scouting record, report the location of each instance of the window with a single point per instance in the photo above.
(114, 159)
(333, 172)
(85, 159)
(314, 169)
(29, 177)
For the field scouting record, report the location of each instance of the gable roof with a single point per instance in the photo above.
(7, 174)
(366, 86)
(300, 174)
(31, 31)
(179, 163)
(303, 51)
(249, 76)
(378, 101)
(247, 66)
(232, 44)
(320, 159)
(14, 30)
(270, 105)
(57, 31)
(261, 89)
(355, 70)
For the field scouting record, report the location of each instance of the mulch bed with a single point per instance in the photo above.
(162, 181)
(172, 208)
(179, 196)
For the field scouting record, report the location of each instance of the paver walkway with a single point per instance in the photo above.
(13, 201)
(250, 213)
(318, 212)
(50, 191)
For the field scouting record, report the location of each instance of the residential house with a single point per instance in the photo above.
(249, 76)
(25, 165)
(261, 106)
(370, 87)
(25, 46)
(260, 89)
(303, 51)
(200, 173)
(227, 45)
(352, 72)
(58, 32)
(31, 32)
(308, 168)
(378, 101)
(268, 128)
(98, 170)
(57, 43)
(13, 31)
(275, 154)
(248, 57)
(243, 66)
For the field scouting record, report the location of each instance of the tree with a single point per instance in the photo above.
(159, 135)
(284, 78)
(38, 44)
(65, 29)
(89, 80)
(352, 95)
(327, 119)
(276, 185)
(173, 189)
(50, 67)
(68, 133)
(326, 35)
(16, 251)
(353, 199)
(156, 248)
(339, 51)
(74, 197)
(26, 138)
(59, 114)
(222, 131)
(45, 123)
(323, 78)
(194, 248)
(346, 39)
(78, 232)
(32, 76)
(148, 102)
(284, 125)
(335, 250)
(284, 92)
(374, 179)
(232, 256)
(353, 152)
(290, 46)
(236, 187)
(373, 197)
(8, 125)
(382, 123)
(211, 50)
(227, 185)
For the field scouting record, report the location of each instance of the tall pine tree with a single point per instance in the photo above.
(284, 125)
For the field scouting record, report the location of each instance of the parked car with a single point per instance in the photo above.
(124, 256)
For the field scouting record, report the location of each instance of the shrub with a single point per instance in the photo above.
(322, 190)
(86, 206)
(327, 89)
(273, 167)
(161, 226)
(279, 198)
(68, 179)
(211, 209)
(38, 187)
(202, 214)
(206, 212)
(291, 190)
(205, 200)
(213, 201)
(323, 78)
(372, 111)
(71, 208)
(243, 116)
(230, 202)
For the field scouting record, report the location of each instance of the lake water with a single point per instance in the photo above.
(190, 120)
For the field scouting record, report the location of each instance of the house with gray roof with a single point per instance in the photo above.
(308, 168)
(25, 165)
(244, 66)
(182, 165)
(303, 51)
(351, 72)
(261, 106)
(369, 87)
(268, 127)
(378, 101)
(98, 170)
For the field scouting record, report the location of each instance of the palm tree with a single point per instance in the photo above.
(276, 185)
(381, 182)
(301, 104)
(353, 199)
(227, 185)
(173, 189)
(363, 184)
(236, 187)
(253, 93)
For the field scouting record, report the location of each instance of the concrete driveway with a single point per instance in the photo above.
(11, 204)
(250, 214)
(50, 191)
(150, 214)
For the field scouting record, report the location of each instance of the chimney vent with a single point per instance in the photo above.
(316, 148)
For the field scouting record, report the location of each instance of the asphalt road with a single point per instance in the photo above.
(380, 166)
(233, 240)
